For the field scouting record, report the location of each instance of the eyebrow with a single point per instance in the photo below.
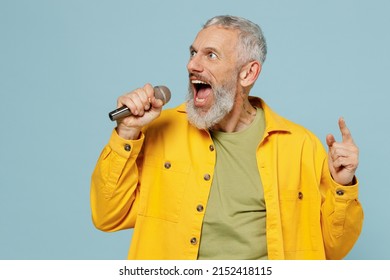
(192, 48)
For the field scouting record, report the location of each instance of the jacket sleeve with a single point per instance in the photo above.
(114, 184)
(341, 215)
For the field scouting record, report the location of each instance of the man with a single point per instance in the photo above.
(222, 176)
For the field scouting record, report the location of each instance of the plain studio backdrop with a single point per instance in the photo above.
(64, 63)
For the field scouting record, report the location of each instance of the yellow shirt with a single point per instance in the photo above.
(157, 184)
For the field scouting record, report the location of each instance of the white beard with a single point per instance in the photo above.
(223, 103)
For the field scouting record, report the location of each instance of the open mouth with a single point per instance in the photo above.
(201, 91)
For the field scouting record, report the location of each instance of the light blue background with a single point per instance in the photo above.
(64, 63)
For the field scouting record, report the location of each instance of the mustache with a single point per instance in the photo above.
(198, 77)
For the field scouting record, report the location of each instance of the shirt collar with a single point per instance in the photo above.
(273, 121)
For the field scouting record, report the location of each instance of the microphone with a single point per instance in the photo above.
(160, 92)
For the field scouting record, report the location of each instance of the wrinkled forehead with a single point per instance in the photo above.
(217, 37)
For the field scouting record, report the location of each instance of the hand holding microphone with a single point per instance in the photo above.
(160, 92)
(138, 108)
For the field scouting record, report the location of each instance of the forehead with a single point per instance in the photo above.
(216, 37)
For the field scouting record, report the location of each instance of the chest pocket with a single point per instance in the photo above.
(162, 188)
(300, 215)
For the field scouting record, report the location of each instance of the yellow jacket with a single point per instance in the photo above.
(155, 184)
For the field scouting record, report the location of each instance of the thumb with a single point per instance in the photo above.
(330, 140)
(156, 103)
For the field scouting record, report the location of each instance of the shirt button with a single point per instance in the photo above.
(127, 147)
(300, 195)
(199, 208)
(340, 192)
(194, 241)
(206, 177)
(167, 165)
(211, 148)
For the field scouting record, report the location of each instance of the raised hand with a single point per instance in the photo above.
(144, 108)
(343, 156)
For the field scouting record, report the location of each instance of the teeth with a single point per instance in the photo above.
(199, 82)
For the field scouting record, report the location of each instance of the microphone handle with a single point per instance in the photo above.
(119, 113)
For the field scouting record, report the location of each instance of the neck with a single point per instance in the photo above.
(241, 116)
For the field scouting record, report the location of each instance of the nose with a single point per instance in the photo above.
(194, 65)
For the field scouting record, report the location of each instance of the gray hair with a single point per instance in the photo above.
(251, 45)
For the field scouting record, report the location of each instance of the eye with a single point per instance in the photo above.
(192, 53)
(212, 55)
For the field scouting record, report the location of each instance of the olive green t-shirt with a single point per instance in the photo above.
(234, 222)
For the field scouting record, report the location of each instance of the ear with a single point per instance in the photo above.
(249, 73)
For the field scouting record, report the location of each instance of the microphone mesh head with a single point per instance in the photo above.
(163, 93)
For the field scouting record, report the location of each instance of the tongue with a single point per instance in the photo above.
(203, 92)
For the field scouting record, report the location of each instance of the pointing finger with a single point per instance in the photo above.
(345, 133)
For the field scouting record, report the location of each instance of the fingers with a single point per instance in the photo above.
(156, 103)
(330, 140)
(343, 160)
(346, 147)
(138, 101)
(343, 156)
(343, 163)
(342, 150)
(345, 133)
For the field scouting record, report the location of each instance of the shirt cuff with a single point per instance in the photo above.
(349, 192)
(125, 148)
